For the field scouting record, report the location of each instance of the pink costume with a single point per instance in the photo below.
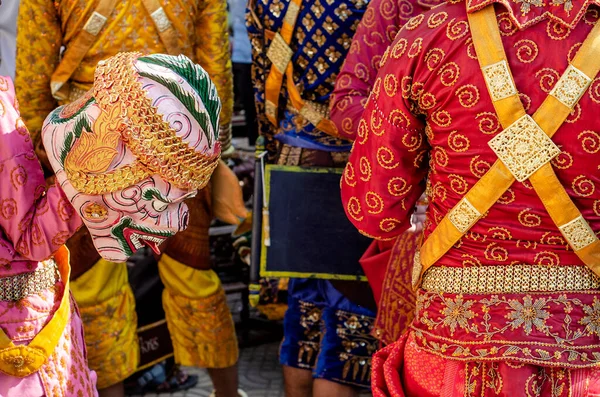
(388, 269)
(35, 223)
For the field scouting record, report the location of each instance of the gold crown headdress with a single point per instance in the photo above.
(128, 114)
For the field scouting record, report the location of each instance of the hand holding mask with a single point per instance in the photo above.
(134, 147)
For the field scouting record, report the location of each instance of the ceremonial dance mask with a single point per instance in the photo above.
(134, 147)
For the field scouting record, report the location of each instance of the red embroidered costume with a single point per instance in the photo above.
(385, 271)
(509, 308)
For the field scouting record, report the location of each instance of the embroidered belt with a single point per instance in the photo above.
(509, 279)
(17, 287)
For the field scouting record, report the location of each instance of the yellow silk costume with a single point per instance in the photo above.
(103, 293)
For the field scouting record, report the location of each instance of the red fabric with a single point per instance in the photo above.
(374, 263)
(396, 307)
(429, 116)
(374, 34)
(430, 78)
(402, 370)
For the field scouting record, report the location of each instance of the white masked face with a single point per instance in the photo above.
(143, 213)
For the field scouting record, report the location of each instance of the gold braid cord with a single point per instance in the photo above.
(151, 139)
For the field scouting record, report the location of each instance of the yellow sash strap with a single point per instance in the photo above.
(24, 360)
(78, 48)
(280, 55)
(546, 121)
(166, 30)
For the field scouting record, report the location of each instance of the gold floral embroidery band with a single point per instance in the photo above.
(151, 139)
(509, 279)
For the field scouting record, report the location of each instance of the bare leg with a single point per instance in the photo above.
(225, 381)
(117, 390)
(298, 382)
(326, 388)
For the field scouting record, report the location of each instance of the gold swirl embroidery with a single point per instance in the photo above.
(557, 31)
(399, 48)
(399, 118)
(416, 90)
(429, 132)
(439, 191)
(436, 20)
(449, 74)
(434, 57)
(507, 198)
(590, 141)
(488, 123)
(364, 166)
(386, 158)
(442, 118)
(398, 187)
(374, 202)
(427, 101)
(548, 78)
(470, 260)
(376, 89)
(390, 85)
(376, 123)
(415, 48)
(349, 175)
(550, 238)
(458, 142)
(440, 156)
(574, 115)
(572, 51)
(494, 252)
(389, 224)
(546, 258)
(527, 50)
(563, 161)
(583, 186)
(594, 90)
(354, 209)
(468, 95)
(479, 167)
(414, 22)
(471, 53)
(527, 244)
(406, 86)
(597, 207)
(458, 184)
(412, 140)
(362, 132)
(500, 233)
(456, 29)
(529, 219)
(506, 25)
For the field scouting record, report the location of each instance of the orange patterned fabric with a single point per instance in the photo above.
(44, 26)
(111, 337)
(374, 34)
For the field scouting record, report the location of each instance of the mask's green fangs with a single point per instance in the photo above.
(133, 237)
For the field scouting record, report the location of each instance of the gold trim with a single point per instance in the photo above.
(279, 53)
(499, 81)
(314, 112)
(524, 148)
(509, 279)
(463, 215)
(571, 86)
(270, 109)
(95, 23)
(161, 20)
(292, 14)
(578, 233)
